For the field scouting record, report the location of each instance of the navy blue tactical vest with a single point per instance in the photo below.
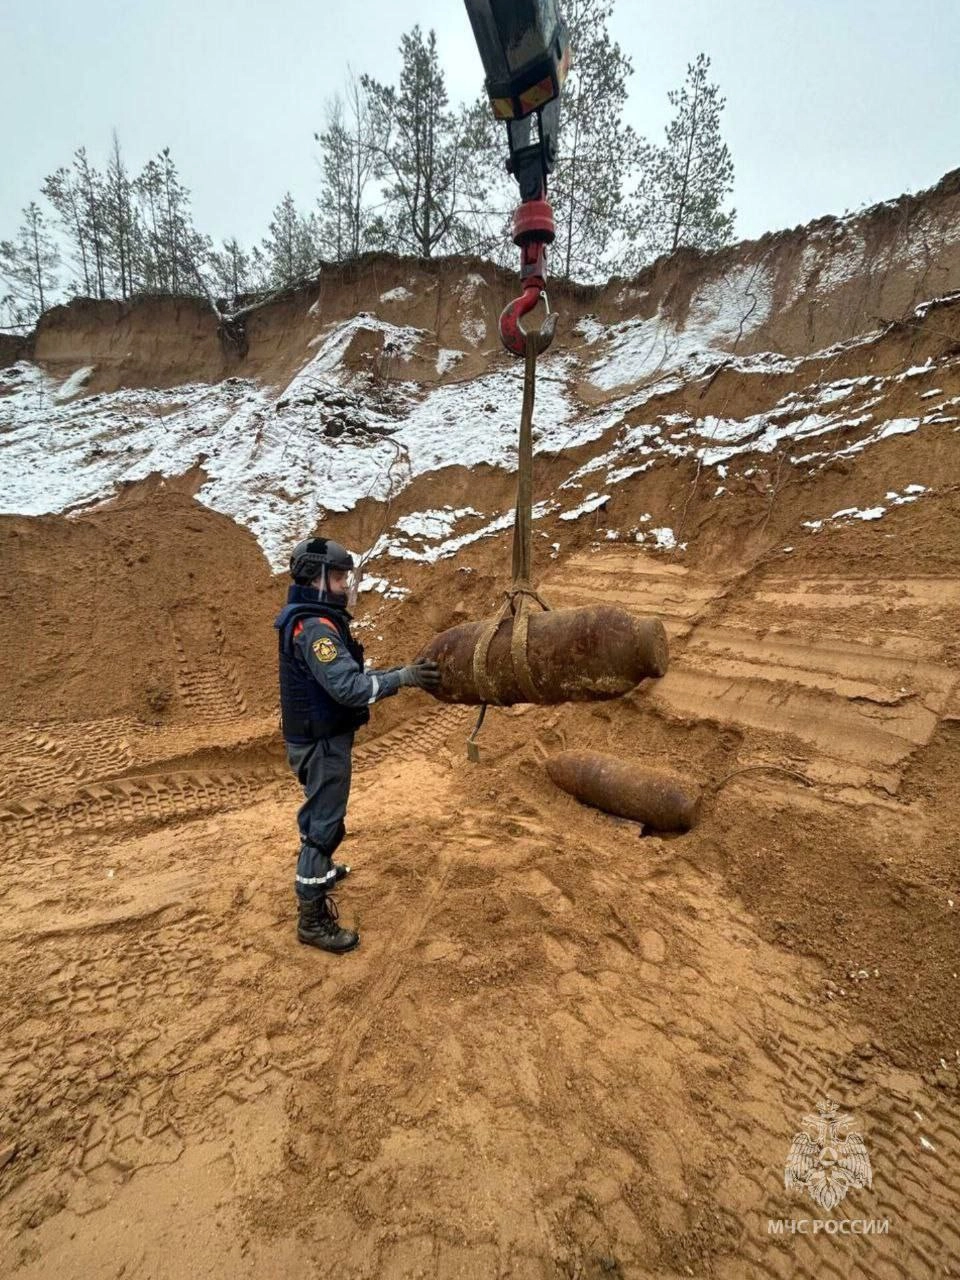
(307, 711)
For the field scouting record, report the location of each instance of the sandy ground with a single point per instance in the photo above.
(565, 1048)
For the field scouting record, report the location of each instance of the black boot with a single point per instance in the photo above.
(318, 926)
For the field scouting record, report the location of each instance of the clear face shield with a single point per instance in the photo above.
(339, 585)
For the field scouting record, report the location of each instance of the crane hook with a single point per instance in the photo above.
(512, 333)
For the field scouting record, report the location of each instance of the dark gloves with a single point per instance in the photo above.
(423, 674)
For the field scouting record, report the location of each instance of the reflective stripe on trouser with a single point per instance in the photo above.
(323, 770)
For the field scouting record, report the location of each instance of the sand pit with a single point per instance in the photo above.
(564, 1048)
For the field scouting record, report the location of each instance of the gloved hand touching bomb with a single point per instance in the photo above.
(422, 674)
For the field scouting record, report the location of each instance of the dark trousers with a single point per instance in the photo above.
(323, 770)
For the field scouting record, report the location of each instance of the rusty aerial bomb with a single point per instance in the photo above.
(572, 655)
(658, 799)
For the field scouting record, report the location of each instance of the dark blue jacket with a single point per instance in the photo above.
(324, 689)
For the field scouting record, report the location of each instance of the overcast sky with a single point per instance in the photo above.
(831, 104)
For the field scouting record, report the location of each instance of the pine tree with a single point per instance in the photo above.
(153, 276)
(184, 249)
(422, 153)
(12, 317)
(359, 126)
(598, 153)
(90, 193)
(347, 161)
(686, 182)
(172, 221)
(336, 194)
(61, 190)
(483, 226)
(290, 252)
(172, 251)
(231, 271)
(122, 228)
(28, 265)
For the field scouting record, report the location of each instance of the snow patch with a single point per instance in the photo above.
(721, 312)
(590, 329)
(855, 513)
(388, 543)
(590, 503)
(383, 586)
(74, 384)
(664, 539)
(446, 359)
(619, 474)
(430, 525)
(473, 329)
(272, 470)
(910, 493)
(398, 340)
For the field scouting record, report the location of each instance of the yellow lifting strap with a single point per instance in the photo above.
(521, 596)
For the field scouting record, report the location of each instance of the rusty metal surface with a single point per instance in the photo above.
(658, 799)
(575, 655)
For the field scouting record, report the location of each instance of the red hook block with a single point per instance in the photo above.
(533, 230)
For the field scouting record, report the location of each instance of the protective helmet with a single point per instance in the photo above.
(312, 558)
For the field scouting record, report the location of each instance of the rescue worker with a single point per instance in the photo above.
(325, 695)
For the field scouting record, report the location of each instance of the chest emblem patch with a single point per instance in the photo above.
(324, 650)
